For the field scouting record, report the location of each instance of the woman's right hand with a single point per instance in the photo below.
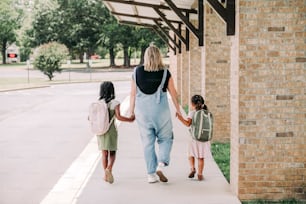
(178, 114)
(132, 117)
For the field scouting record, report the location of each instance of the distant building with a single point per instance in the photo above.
(12, 54)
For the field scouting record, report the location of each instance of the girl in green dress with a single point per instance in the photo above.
(108, 142)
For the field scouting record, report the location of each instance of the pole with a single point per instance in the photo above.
(90, 65)
(28, 68)
(68, 64)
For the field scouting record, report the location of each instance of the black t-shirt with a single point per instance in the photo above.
(148, 82)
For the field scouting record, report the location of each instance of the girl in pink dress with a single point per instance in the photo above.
(196, 149)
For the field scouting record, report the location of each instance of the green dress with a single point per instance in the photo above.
(109, 140)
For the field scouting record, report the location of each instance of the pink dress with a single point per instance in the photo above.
(195, 148)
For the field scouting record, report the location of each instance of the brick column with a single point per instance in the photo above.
(179, 75)
(195, 73)
(234, 101)
(272, 100)
(217, 72)
(174, 66)
(185, 76)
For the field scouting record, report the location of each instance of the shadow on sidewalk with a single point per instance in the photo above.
(131, 185)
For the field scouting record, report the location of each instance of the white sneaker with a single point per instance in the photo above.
(160, 166)
(152, 178)
(160, 174)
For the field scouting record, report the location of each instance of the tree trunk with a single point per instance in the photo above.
(143, 49)
(3, 49)
(126, 58)
(112, 57)
(81, 57)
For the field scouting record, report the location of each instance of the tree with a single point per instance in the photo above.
(110, 36)
(144, 38)
(75, 23)
(81, 25)
(48, 58)
(128, 40)
(45, 27)
(10, 22)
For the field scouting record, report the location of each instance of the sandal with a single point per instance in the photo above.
(200, 177)
(192, 173)
(109, 176)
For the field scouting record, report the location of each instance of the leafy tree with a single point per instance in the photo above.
(81, 25)
(10, 21)
(75, 23)
(144, 38)
(110, 36)
(86, 25)
(128, 40)
(48, 58)
(44, 27)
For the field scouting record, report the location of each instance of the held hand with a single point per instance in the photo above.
(132, 117)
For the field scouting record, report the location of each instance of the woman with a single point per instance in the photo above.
(149, 100)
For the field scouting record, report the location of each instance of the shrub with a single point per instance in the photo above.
(48, 58)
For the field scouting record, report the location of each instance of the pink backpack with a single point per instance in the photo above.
(99, 117)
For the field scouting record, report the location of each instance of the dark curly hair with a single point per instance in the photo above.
(199, 102)
(107, 91)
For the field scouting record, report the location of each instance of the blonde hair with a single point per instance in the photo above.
(153, 59)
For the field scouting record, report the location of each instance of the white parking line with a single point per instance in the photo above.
(71, 184)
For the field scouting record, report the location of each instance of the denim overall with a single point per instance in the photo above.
(154, 121)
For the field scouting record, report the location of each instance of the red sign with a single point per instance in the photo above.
(12, 55)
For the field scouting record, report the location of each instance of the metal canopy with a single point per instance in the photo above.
(165, 15)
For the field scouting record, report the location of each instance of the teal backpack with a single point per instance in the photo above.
(202, 125)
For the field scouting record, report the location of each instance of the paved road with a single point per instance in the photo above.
(42, 131)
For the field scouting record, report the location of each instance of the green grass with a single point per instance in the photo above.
(221, 154)
(289, 201)
(186, 109)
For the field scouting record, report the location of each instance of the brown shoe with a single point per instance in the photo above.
(192, 173)
(161, 176)
(200, 177)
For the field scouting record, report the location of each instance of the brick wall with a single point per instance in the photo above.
(217, 71)
(272, 103)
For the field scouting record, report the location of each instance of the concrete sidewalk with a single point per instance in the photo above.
(131, 185)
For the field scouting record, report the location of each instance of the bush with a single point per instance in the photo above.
(48, 58)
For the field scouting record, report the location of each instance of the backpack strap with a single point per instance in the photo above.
(113, 118)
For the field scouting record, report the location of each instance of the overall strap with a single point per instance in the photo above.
(163, 79)
(161, 86)
(135, 74)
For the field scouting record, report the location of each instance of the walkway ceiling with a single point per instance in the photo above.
(165, 15)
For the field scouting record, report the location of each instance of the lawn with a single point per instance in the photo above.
(221, 154)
